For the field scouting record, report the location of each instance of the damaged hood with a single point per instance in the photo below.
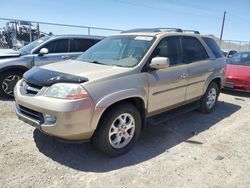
(9, 53)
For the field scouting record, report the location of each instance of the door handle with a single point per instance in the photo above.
(184, 75)
(65, 57)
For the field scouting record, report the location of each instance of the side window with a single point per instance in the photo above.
(213, 46)
(57, 46)
(169, 47)
(81, 45)
(193, 50)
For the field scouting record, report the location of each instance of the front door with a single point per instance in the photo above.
(167, 87)
(58, 51)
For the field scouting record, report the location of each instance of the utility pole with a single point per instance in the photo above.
(222, 27)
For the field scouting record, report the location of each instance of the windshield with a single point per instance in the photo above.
(29, 47)
(242, 58)
(123, 51)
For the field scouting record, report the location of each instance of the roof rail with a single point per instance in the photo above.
(141, 30)
(167, 29)
(192, 31)
(163, 29)
(153, 30)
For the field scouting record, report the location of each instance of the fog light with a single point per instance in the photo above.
(48, 119)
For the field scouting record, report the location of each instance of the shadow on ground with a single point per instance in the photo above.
(236, 93)
(155, 140)
(5, 99)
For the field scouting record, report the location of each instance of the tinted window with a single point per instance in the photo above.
(213, 46)
(193, 50)
(81, 45)
(169, 47)
(57, 46)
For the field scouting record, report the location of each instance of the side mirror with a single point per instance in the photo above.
(159, 63)
(43, 51)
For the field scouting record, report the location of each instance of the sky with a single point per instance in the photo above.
(202, 15)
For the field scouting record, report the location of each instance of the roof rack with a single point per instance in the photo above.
(139, 30)
(167, 29)
(152, 30)
(192, 31)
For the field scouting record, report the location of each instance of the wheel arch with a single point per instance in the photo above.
(137, 101)
(217, 79)
(14, 68)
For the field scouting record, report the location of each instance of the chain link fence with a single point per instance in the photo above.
(228, 45)
(16, 33)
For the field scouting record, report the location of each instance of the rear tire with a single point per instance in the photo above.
(209, 99)
(118, 130)
(8, 81)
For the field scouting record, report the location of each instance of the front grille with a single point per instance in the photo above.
(30, 89)
(31, 114)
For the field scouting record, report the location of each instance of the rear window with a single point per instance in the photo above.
(81, 45)
(213, 46)
(193, 50)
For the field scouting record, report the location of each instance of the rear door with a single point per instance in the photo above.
(78, 46)
(58, 51)
(198, 66)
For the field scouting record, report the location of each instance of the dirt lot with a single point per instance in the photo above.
(193, 150)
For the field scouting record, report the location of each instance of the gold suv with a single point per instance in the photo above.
(107, 94)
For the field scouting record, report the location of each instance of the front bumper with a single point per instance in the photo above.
(236, 84)
(73, 117)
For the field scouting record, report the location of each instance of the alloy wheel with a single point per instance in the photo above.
(122, 131)
(9, 83)
(211, 98)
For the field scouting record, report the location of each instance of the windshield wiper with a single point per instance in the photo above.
(97, 62)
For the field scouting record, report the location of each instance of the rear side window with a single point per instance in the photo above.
(213, 46)
(193, 50)
(58, 46)
(81, 45)
(169, 47)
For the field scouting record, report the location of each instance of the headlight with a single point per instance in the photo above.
(66, 91)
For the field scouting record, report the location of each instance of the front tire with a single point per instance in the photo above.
(118, 130)
(210, 98)
(8, 81)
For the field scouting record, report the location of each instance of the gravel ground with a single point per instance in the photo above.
(193, 150)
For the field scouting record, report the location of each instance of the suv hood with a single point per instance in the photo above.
(90, 71)
(9, 53)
